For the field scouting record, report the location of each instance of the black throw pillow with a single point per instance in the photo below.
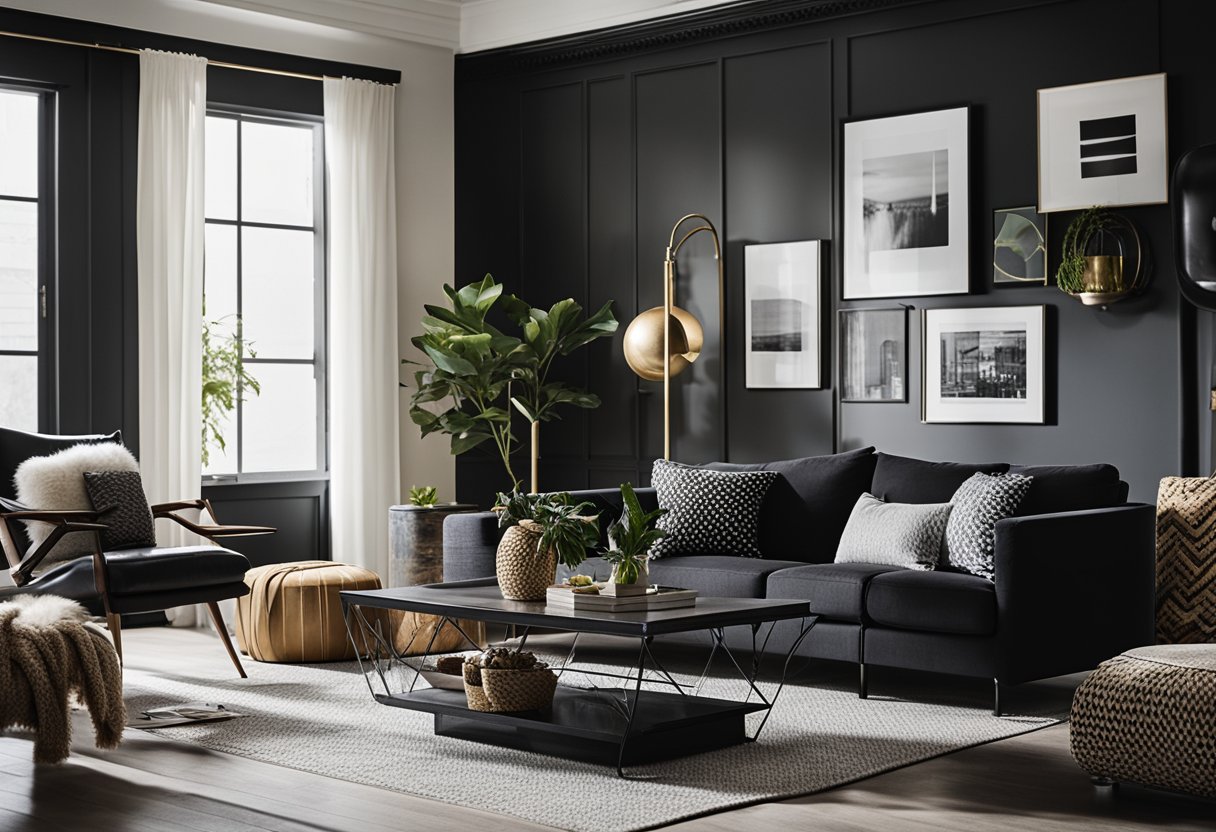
(901, 479)
(119, 496)
(1070, 488)
(708, 512)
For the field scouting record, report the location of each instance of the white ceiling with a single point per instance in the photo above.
(472, 25)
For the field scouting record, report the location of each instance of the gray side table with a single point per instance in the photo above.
(416, 542)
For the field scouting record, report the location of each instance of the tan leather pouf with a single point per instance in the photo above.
(293, 613)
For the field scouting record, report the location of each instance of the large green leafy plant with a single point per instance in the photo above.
(225, 379)
(564, 525)
(631, 536)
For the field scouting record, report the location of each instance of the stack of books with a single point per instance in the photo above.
(655, 598)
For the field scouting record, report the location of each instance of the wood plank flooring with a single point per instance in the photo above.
(152, 784)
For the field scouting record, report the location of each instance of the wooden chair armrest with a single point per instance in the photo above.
(22, 571)
(212, 530)
(51, 515)
(165, 509)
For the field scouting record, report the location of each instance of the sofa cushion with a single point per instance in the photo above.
(901, 479)
(724, 576)
(834, 590)
(708, 512)
(1070, 488)
(894, 534)
(936, 602)
(806, 508)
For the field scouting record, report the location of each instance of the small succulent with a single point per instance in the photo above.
(424, 496)
(562, 524)
(631, 536)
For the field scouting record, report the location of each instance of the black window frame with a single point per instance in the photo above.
(320, 360)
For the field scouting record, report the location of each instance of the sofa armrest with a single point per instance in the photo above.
(470, 542)
(1073, 589)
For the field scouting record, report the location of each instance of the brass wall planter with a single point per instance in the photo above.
(1089, 271)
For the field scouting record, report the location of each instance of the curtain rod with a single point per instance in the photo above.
(129, 51)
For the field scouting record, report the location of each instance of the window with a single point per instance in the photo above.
(264, 284)
(24, 264)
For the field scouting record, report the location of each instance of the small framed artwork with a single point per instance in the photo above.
(1019, 247)
(1103, 144)
(874, 355)
(983, 365)
(783, 294)
(905, 205)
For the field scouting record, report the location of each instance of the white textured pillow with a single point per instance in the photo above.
(56, 482)
(894, 534)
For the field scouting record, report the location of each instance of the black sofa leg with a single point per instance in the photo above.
(863, 684)
(996, 697)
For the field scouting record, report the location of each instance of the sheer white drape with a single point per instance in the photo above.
(169, 247)
(363, 361)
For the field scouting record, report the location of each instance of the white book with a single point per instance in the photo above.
(657, 598)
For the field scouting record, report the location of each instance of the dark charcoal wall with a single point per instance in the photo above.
(574, 160)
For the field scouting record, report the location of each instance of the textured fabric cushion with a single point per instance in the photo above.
(835, 590)
(936, 602)
(56, 482)
(901, 479)
(1070, 488)
(806, 508)
(978, 504)
(708, 512)
(721, 576)
(894, 534)
(119, 496)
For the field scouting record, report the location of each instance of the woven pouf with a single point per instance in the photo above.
(1148, 716)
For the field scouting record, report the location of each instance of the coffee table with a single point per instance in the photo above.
(620, 725)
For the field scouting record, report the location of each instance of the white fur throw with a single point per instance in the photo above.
(56, 482)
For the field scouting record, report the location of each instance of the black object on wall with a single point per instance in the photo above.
(574, 157)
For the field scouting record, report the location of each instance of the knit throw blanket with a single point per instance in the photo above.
(48, 653)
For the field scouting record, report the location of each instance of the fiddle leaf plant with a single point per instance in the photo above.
(563, 524)
(631, 536)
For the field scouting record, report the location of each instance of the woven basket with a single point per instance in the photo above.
(504, 691)
(524, 575)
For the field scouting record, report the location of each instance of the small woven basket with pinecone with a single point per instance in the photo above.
(502, 681)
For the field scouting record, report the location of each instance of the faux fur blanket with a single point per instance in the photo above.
(48, 653)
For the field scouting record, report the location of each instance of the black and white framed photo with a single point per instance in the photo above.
(1103, 144)
(782, 318)
(874, 355)
(983, 365)
(1019, 247)
(906, 205)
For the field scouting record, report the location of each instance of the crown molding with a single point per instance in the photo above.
(433, 22)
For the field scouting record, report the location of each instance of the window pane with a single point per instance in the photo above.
(276, 174)
(220, 184)
(277, 285)
(281, 424)
(219, 274)
(19, 138)
(18, 275)
(19, 392)
(223, 461)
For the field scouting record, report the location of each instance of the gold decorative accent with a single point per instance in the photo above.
(662, 341)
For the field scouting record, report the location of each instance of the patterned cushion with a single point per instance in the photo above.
(709, 512)
(119, 496)
(894, 534)
(979, 502)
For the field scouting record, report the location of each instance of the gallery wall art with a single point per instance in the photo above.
(1019, 247)
(874, 355)
(783, 299)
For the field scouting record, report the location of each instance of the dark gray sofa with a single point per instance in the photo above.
(1074, 579)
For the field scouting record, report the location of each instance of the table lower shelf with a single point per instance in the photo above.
(588, 725)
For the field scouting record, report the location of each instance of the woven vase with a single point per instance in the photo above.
(523, 574)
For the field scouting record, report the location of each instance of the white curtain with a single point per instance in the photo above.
(169, 247)
(363, 360)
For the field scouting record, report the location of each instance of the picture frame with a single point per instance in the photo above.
(783, 297)
(1103, 143)
(983, 365)
(906, 205)
(1019, 247)
(874, 355)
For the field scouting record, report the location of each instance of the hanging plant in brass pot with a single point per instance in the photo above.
(1101, 261)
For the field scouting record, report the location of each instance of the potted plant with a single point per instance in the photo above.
(424, 496)
(1088, 270)
(630, 539)
(541, 530)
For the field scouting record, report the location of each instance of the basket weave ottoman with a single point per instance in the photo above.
(1148, 716)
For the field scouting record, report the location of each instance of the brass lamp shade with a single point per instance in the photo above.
(643, 342)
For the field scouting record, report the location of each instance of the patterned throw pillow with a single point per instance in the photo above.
(709, 512)
(894, 534)
(119, 496)
(979, 503)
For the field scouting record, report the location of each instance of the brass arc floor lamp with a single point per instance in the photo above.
(663, 341)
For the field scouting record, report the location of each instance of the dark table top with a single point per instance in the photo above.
(481, 600)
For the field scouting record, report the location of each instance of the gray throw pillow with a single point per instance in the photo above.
(119, 497)
(709, 512)
(894, 534)
(978, 504)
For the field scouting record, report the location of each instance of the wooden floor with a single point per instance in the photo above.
(152, 784)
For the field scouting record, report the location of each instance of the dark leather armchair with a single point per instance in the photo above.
(146, 579)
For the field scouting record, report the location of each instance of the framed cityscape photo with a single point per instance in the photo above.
(1103, 144)
(983, 365)
(1019, 247)
(905, 205)
(874, 355)
(783, 293)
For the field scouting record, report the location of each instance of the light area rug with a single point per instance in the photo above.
(322, 719)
